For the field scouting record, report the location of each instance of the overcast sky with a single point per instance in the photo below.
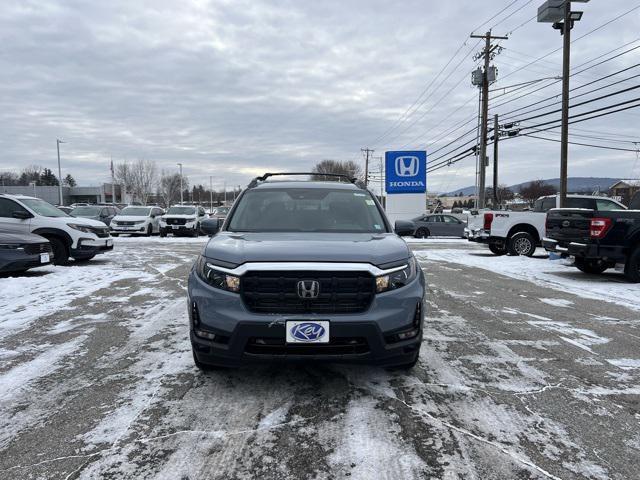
(235, 88)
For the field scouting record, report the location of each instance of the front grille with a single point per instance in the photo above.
(125, 224)
(277, 292)
(336, 346)
(36, 248)
(101, 232)
(176, 221)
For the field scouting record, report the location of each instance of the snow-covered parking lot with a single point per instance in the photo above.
(529, 369)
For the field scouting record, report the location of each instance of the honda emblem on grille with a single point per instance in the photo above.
(566, 223)
(308, 289)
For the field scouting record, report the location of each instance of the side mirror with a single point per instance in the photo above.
(153, 215)
(210, 226)
(21, 215)
(404, 227)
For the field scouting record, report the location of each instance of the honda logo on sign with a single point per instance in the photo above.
(407, 166)
(308, 289)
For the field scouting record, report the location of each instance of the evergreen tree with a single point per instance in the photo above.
(69, 181)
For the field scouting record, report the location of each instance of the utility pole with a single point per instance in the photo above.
(382, 202)
(488, 55)
(58, 142)
(210, 193)
(181, 192)
(558, 12)
(496, 137)
(225, 193)
(113, 182)
(366, 151)
(564, 133)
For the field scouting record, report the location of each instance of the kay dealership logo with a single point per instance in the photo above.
(407, 166)
(308, 289)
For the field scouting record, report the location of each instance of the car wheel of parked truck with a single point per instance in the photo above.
(632, 268)
(422, 233)
(60, 251)
(497, 249)
(591, 266)
(521, 243)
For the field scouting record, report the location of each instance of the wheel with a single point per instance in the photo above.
(632, 268)
(204, 367)
(60, 251)
(410, 365)
(422, 233)
(521, 243)
(195, 231)
(497, 249)
(149, 230)
(163, 233)
(591, 266)
(114, 234)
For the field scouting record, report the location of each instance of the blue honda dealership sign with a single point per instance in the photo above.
(406, 172)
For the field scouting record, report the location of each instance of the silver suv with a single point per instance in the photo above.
(306, 270)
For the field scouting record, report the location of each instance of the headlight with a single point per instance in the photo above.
(11, 246)
(397, 279)
(216, 278)
(190, 220)
(82, 228)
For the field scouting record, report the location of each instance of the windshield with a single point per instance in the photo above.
(43, 208)
(181, 211)
(86, 211)
(307, 210)
(134, 212)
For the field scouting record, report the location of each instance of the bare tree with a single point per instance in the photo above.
(536, 189)
(124, 176)
(144, 177)
(169, 187)
(9, 178)
(349, 168)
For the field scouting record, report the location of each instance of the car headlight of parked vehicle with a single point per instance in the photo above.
(11, 246)
(82, 228)
(216, 278)
(398, 279)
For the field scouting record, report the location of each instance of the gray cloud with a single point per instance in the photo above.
(235, 88)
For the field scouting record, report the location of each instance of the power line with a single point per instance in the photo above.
(603, 147)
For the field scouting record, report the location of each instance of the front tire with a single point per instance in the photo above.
(60, 251)
(632, 268)
(422, 233)
(497, 249)
(594, 267)
(521, 244)
(149, 230)
(163, 233)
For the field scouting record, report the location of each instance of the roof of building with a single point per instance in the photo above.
(630, 182)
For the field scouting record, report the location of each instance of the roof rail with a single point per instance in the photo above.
(264, 177)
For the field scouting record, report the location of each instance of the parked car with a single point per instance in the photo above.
(439, 226)
(306, 270)
(520, 233)
(137, 220)
(220, 212)
(66, 210)
(21, 251)
(597, 239)
(80, 238)
(182, 219)
(100, 213)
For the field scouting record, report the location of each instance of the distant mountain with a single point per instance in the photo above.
(575, 184)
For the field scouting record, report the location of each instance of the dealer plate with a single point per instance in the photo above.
(44, 258)
(307, 331)
(175, 227)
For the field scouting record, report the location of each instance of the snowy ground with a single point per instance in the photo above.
(529, 369)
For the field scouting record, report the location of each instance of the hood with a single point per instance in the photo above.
(130, 218)
(21, 238)
(84, 221)
(239, 248)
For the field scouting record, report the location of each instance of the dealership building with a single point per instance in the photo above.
(100, 194)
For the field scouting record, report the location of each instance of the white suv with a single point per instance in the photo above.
(80, 238)
(183, 219)
(137, 220)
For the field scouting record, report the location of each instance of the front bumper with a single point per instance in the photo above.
(19, 261)
(140, 228)
(612, 253)
(189, 227)
(88, 247)
(354, 338)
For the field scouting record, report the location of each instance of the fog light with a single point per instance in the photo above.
(407, 335)
(204, 334)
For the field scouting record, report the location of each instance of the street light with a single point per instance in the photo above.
(58, 142)
(181, 193)
(558, 12)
